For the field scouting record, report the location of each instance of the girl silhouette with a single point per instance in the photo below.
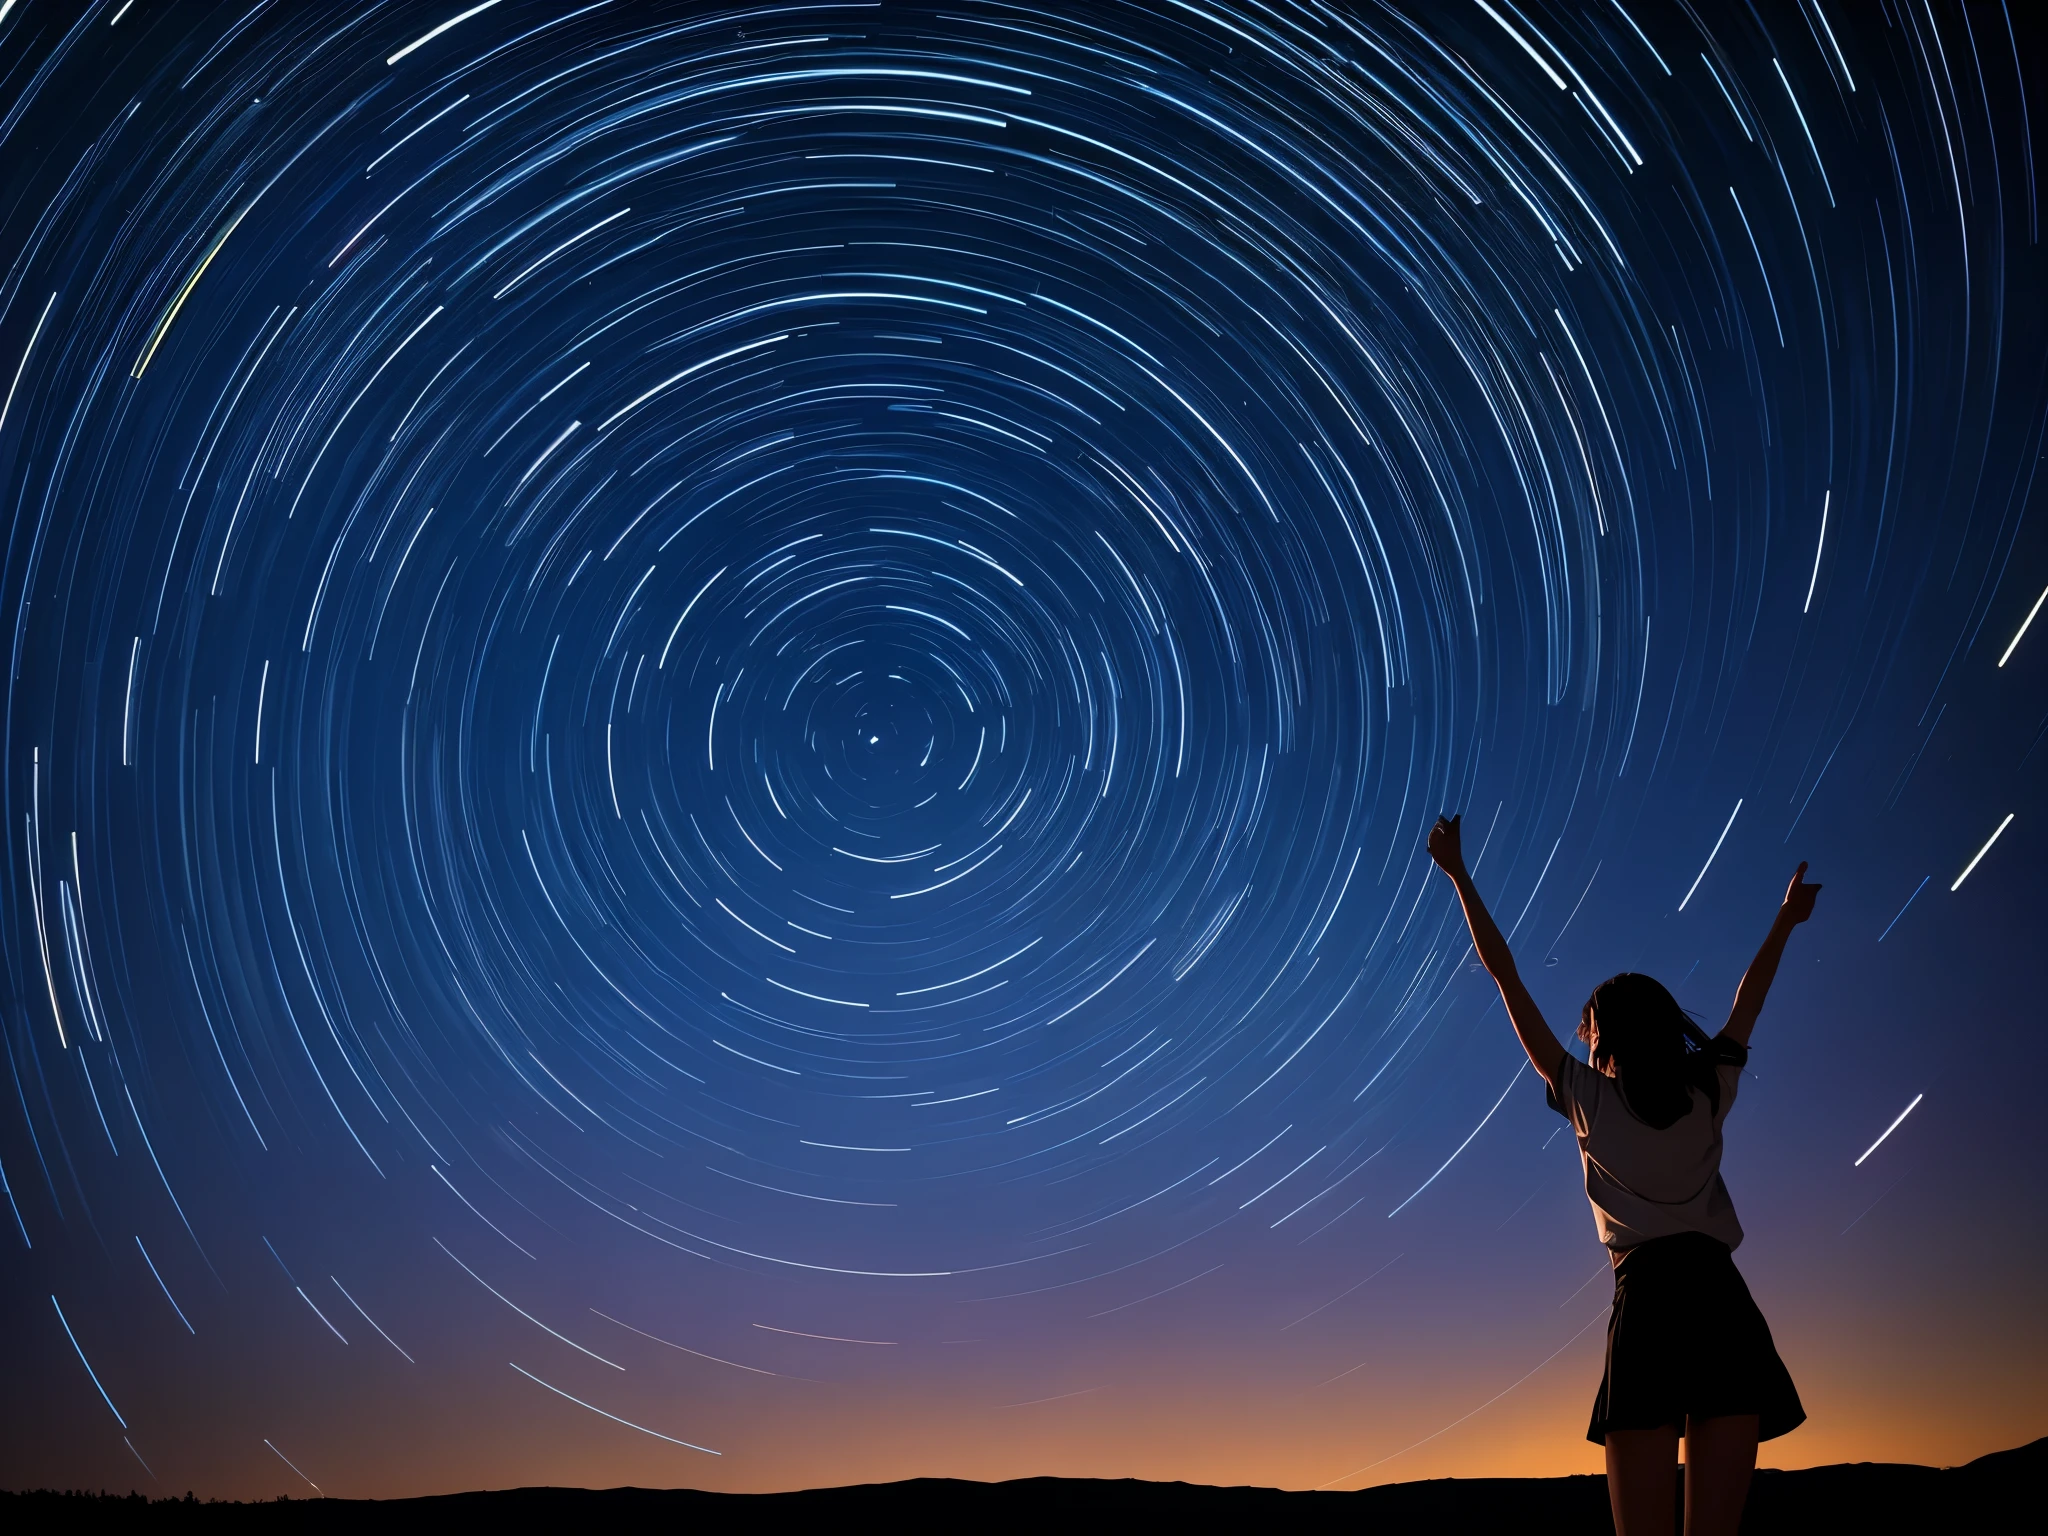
(1687, 1349)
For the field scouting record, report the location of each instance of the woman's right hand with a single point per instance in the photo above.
(1446, 846)
(1799, 895)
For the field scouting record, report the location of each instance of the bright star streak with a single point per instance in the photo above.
(2020, 633)
(1982, 851)
(1696, 879)
(1890, 1128)
(1397, 1210)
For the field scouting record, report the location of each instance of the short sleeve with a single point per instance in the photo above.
(1575, 1093)
(1729, 1058)
(1729, 1076)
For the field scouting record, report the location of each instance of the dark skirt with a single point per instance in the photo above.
(1685, 1340)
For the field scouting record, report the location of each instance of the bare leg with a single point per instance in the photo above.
(1720, 1454)
(1642, 1479)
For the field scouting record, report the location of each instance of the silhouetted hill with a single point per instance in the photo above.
(1998, 1492)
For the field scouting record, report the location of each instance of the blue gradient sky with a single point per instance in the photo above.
(720, 722)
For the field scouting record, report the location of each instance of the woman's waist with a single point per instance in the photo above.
(1677, 1250)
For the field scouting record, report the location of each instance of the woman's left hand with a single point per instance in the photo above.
(1446, 846)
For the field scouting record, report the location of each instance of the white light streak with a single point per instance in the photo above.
(813, 996)
(280, 1455)
(1710, 857)
(369, 1319)
(1814, 579)
(1794, 99)
(262, 689)
(543, 1327)
(1892, 1127)
(1397, 1210)
(128, 703)
(2025, 624)
(643, 398)
(8, 404)
(686, 1445)
(1982, 851)
(1839, 56)
(95, 1375)
(1541, 63)
(420, 42)
(684, 615)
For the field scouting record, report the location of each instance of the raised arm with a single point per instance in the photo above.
(1446, 847)
(1756, 981)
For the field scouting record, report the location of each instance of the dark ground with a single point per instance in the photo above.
(2000, 1492)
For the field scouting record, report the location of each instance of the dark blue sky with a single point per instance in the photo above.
(720, 721)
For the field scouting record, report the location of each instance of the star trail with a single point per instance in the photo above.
(752, 692)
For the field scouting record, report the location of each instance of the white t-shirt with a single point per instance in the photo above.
(1644, 1182)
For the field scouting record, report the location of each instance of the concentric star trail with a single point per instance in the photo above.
(772, 667)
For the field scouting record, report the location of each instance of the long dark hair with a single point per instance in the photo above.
(1660, 1055)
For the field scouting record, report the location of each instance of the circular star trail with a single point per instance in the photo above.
(775, 672)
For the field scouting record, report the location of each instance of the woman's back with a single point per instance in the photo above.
(1645, 1182)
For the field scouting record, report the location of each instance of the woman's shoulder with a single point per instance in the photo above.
(1575, 1089)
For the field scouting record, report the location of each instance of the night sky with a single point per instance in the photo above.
(719, 723)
